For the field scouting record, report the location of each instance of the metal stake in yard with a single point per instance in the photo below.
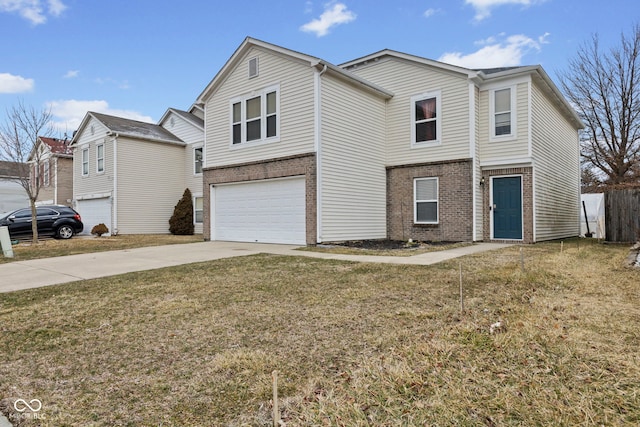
(521, 259)
(276, 411)
(461, 291)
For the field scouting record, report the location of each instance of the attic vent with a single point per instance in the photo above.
(253, 67)
(172, 122)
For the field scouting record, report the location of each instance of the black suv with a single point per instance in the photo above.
(60, 222)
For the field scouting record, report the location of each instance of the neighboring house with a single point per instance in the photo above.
(12, 194)
(129, 175)
(298, 150)
(51, 163)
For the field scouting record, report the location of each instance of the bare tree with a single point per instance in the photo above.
(604, 88)
(18, 144)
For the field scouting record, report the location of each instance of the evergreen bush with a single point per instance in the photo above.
(181, 222)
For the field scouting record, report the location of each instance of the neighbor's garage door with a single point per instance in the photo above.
(93, 212)
(271, 211)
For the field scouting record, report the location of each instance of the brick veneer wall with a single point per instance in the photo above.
(304, 165)
(527, 200)
(455, 202)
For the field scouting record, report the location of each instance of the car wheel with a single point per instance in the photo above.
(64, 232)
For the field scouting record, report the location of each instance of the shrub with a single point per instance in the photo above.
(181, 222)
(99, 229)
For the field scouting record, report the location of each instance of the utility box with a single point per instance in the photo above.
(5, 242)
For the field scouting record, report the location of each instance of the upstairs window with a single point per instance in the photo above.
(254, 118)
(425, 119)
(197, 160)
(502, 104)
(425, 194)
(45, 173)
(85, 162)
(100, 158)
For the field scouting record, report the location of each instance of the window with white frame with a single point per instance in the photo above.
(425, 195)
(425, 119)
(45, 173)
(255, 117)
(198, 209)
(100, 158)
(197, 160)
(85, 162)
(502, 105)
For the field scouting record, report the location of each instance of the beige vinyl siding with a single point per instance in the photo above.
(193, 137)
(478, 201)
(557, 171)
(406, 79)
(296, 109)
(94, 183)
(150, 183)
(186, 131)
(517, 148)
(352, 177)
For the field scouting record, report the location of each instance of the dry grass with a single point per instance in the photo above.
(355, 344)
(49, 247)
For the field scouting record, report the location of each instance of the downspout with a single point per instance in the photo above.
(114, 220)
(318, 147)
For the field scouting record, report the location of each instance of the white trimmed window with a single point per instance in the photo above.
(198, 210)
(502, 106)
(426, 117)
(100, 158)
(197, 160)
(85, 162)
(256, 117)
(425, 196)
(45, 173)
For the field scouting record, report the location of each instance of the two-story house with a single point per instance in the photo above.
(129, 174)
(51, 166)
(298, 150)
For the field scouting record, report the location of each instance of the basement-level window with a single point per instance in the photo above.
(425, 195)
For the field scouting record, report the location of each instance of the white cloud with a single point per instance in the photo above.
(33, 10)
(334, 14)
(68, 114)
(483, 7)
(430, 12)
(495, 52)
(15, 84)
(71, 74)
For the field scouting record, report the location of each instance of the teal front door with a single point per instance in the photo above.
(507, 207)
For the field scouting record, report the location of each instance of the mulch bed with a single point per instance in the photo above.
(386, 244)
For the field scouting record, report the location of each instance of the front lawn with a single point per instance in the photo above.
(48, 247)
(354, 344)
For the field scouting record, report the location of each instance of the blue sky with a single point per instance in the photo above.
(136, 58)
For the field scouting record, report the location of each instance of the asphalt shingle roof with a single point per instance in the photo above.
(136, 129)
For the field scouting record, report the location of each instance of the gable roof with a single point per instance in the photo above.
(130, 128)
(58, 146)
(376, 56)
(191, 118)
(319, 64)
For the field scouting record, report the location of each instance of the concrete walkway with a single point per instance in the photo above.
(51, 271)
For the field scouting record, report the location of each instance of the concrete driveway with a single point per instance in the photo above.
(51, 271)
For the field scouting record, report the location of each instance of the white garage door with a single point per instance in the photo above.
(95, 211)
(271, 211)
